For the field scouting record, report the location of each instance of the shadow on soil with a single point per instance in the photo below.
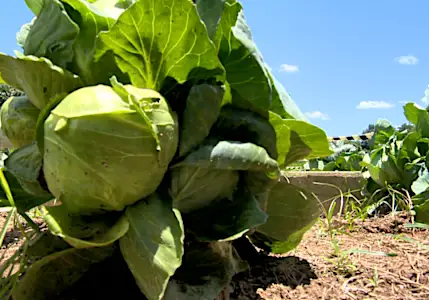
(289, 271)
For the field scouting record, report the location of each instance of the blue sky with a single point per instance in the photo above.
(340, 60)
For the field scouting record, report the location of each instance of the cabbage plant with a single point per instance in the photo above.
(160, 137)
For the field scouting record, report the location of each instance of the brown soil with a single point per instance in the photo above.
(394, 268)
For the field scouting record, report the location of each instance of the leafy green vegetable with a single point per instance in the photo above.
(143, 113)
(18, 120)
(108, 143)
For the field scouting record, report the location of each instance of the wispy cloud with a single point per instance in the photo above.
(403, 102)
(289, 68)
(407, 60)
(374, 105)
(317, 115)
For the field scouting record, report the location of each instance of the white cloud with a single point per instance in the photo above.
(407, 60)
(317, 115)
(289, 68)
(403, 102)
(374, 105)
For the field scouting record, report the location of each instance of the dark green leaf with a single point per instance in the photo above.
(23, 200)
(226, 219)
(201, 111)
(245, 68)
(292, 211)
(47, 277)
(230, 156)
(193, 187)
(210, 13)
(153, 245)
(235, 124)
(25, 164)
(206, 270)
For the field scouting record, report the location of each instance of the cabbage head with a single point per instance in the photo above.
(106, 148)
(18, 120)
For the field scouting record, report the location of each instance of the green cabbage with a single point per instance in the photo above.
(105, 148)
(18, 120)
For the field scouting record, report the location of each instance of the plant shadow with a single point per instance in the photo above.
(289, 271)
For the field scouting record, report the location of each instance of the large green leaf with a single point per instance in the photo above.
(298, 139)
(245, 68)
(52, 35)
(47, 277)
(226, 219)
(419, 117)
(153, 245)
(157, 40)
(85, 232)
(206, 270)
(422, 212)
(93, 17)
(210, 13)
(240, 125)
(292, 211)
(192, 187)
(37, 77)
(229, 155)
(201, 111)
(25, 164)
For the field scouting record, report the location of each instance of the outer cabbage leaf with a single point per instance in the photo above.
(85, 232)
(37, 77)
(298, 139)
(230, 155)
(245, 68)
(201, 112)
(153, 246)
(206, 270)
(25, 164)
(150, 48)
(291, 212)
(108, 140)
(23, 200)
(245, 126)
(18, 120)
(226, 219)
(52, 274)
(52, 35)
(193, 188)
